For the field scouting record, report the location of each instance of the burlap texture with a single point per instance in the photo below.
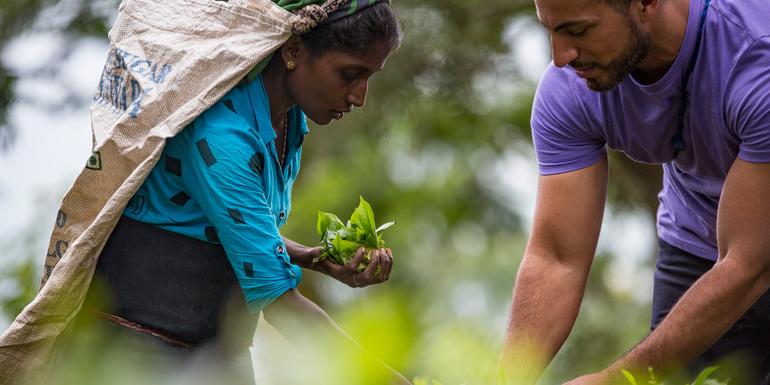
(168, 62)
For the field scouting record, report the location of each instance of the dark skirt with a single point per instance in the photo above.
(168, 296)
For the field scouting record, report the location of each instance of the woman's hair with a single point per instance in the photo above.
(354, 34)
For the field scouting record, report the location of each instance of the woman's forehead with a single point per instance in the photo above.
(371, 60)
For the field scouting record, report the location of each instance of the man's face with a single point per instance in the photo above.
(601, 43)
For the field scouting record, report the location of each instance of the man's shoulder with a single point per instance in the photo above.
(554, 87)
(557, 80)
(748, 16)
(561, 91)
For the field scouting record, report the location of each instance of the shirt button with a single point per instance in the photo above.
(279, 249)
(282, 214)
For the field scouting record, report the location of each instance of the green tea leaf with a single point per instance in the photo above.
(371, 241)
(629, 377)
(340, 241)
(345, 249)
(363, 216)
(360, 235)
(704, 375)
(327, 221)
(385, 227)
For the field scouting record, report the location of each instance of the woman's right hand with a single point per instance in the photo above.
(377, 271)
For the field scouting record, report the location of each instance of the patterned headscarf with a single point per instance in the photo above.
(311, 15)
(314, 13)
(349, 8)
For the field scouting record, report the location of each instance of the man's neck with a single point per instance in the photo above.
(667, 33)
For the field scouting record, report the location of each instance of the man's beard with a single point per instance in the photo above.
(623, 65)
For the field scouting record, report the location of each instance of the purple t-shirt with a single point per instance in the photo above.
(728, 117)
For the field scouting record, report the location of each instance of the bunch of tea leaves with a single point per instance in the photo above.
(341, 241)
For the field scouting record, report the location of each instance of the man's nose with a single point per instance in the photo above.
(563, 53)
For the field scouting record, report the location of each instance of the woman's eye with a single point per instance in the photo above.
(347, 76)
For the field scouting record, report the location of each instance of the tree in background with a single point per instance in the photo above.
(441, 143)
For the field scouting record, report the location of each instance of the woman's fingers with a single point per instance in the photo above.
(370, 271)
(386, 265)
(376, 271)
(358, 257)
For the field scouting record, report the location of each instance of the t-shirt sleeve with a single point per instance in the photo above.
(748, 102)
(226, 180)
(559, 128)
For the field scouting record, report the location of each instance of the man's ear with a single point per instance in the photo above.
(292, 49)
(647, 9)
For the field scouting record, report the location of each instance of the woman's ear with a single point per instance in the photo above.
(291, 51)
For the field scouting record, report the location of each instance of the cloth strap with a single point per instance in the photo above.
(678, 140)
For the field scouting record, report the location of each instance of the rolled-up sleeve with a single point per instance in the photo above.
(226, 180)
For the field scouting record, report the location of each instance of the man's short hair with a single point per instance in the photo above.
(620, 5)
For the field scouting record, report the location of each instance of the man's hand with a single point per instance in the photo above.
(599, 378)
(719, 297)
(377, 271)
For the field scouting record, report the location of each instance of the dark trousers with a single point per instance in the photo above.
(743, 353)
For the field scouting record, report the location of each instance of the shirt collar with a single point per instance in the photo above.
(261, 107)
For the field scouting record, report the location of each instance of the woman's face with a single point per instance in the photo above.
(329, 85)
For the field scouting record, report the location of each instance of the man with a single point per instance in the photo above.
(685, 84)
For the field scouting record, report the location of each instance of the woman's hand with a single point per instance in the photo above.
(377, 271)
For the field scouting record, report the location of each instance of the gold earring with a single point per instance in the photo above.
(290, 65)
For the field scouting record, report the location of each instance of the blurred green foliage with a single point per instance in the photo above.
(426, 152)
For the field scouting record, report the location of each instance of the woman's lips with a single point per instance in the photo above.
(339, 113)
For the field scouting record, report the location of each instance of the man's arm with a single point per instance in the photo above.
(715, 301)
(553, 273)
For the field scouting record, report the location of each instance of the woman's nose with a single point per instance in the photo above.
(563, 53)
(357, 95)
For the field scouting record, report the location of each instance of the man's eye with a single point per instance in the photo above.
(577, 32)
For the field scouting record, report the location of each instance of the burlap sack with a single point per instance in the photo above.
(168, 62)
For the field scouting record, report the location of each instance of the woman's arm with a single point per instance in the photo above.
(304, 323)
(302, 255)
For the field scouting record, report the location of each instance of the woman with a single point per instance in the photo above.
(207, 218)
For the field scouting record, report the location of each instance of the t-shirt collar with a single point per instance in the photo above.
(674, 74)
(261, 106)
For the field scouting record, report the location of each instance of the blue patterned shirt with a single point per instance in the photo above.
(219, 180)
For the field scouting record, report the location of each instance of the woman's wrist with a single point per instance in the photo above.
(310, 255)
(302, 256)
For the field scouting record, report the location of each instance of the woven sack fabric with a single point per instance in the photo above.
(168, 62)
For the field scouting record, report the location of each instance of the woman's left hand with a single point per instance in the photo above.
(377, 271)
